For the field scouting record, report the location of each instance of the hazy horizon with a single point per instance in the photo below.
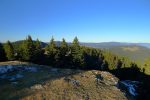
(72, 40)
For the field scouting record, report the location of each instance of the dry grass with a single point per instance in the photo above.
(58, 85)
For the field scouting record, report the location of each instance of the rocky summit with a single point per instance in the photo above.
(28, 82)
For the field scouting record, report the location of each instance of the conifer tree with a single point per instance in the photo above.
(28, 49)
(77, 53)
(64, 55)
(10, 54)
(2, 53)
(51, 52)
(52, 47)
(38, 45)
(64, 44)
(75, 44)
(38, 52)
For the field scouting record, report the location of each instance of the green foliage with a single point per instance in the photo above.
(93, 58)
(147, 62)
(111, 59)
(126, 63)
(31, 51)
(146, 66)
(38, 52)
(64, 59)
(75, 43)
(10, 53)
(134, 53)
(2, 53)
(51, 51)
(68, 56)
(27, 49)
(64, 45)
(77, 54)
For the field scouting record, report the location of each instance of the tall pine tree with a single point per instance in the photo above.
(64, 55)
(51, 51)
(38, 52)
(77, 53)
(10, 54)
(64, 45)
(27, 49)
(75, 44)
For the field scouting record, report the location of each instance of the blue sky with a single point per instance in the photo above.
(89, 20)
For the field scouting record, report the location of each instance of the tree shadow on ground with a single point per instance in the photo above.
(135, 74)
(43, 75)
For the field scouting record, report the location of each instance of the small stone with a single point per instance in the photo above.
(37, 87)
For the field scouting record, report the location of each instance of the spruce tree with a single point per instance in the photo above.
(52, 47)
(10, 54)
(51, 50)
(38, 45)
(64, 55)
(64, 44)
(77, 53)
(28, 49)
(75, 44)
(38, 52)
(2, 53)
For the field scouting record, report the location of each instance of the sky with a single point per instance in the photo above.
(89, 20)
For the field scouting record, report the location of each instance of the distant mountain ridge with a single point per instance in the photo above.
(17, 43)
(96, 45)
(112, 44)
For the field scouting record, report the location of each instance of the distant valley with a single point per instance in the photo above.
(134, 51)
(114, 44)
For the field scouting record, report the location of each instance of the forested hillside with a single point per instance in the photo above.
(114, 44)
(135, 53)
(64, 55)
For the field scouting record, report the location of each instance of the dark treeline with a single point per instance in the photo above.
(75, 56)
(63, 56)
